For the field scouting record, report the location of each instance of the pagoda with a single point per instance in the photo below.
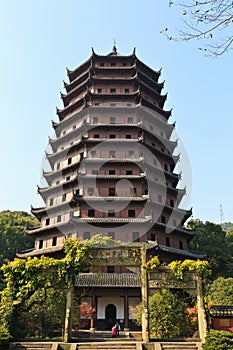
(112, 172)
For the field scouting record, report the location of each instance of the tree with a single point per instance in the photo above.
(221, 291)
(13, 237)
(206, 20)
(168, 317)
(211, 239)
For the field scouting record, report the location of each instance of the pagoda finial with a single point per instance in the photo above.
(114, 48)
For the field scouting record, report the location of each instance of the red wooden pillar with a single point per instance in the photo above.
(126, 311)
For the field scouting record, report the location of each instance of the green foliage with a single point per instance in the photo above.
(29, 281)
(221, 291)
(43, 312)
(4, 335)
(167, 316)
(218, 340)
(211, 239)
(153, 263)
(199, 267)
(13, 238)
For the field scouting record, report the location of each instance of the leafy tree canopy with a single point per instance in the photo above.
(211, 239)
(221, 291)
(208, 20)
(13, 237)
(167, 315)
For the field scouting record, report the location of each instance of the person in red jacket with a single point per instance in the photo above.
(114, 332)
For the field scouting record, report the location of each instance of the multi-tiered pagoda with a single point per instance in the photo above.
(112, 172)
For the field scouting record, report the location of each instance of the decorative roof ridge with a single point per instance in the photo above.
(75, 88)
(114, 53)
(70, 72)
(157, 72)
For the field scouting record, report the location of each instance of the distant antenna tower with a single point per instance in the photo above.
(221, 214)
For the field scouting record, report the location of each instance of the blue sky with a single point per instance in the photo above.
(40, 38)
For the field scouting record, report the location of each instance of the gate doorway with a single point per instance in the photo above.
(110, 315)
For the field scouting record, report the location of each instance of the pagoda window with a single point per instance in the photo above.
(91, 213)
(136, 237)
(51, 201)
(96, 104)
(124, 64)
(112, 154)
(112, 91)
(94, 172)
(112, 104)
(59, 218)
(111, 172)
(130, 120)
(93, 154)
(112, 191)
(111, 213)
(81, 155)
(127, 91)
(57, 182)
(112, 120)
(96, 136)
(63, 197)
(163, 219)
(131, 213)
(159, 198)
(171, 167)
(129, 172)
(58, 166)
(133, 191)
(74, 127)
(173, 185)
(165, 167)
(111, 234)
(90, 191)
(167, 241)
(47, 221)
(101, 64)
(54, 241)
(95, 120)
(128, 136)
(131, 154)
(68, 178)
(113, 64)
(69, 161)
(146, 191)
(64, 132)
(110, 269)
(112, 136)
(99, 91)
(172, 203)
(152, 144)
(152, 237)
(162, 149)
(41, 243)
(181, 246)
(86, 235)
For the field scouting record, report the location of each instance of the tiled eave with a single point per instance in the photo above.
(129, 280)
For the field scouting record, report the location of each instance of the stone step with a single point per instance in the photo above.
(178, 346)
(121, 345)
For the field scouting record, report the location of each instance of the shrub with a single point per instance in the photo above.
(218, 340)
(4, 335)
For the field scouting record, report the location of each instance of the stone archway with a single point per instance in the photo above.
(110, 315)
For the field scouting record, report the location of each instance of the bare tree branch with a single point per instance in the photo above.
(206, 20)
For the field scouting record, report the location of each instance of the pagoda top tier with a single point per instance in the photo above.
(116, 56)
